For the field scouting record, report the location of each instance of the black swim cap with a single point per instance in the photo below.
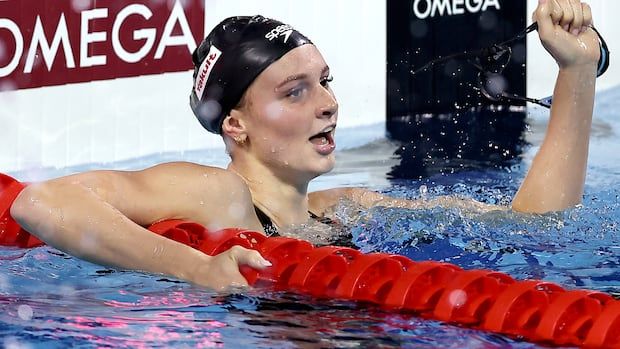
(229, 59)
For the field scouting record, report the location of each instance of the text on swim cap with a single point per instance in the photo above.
(431, 8)
(205, 70)
(281, 30)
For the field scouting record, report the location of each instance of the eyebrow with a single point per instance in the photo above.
(299, 77)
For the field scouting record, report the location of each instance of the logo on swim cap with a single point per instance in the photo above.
(281, 30)
(205, 70)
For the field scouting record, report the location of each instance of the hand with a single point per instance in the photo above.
(222, 271)
(564, 30)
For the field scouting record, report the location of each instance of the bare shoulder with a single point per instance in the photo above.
(196, 186)
(187, 174)
(166, 174)
(175, 190)
(213, 196)
(181, 179)
(183, 167)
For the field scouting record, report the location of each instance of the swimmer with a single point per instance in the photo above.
(265, 88)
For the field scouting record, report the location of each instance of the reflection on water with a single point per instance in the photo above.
(130, 310)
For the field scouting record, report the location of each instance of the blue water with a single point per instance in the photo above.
(51, 300)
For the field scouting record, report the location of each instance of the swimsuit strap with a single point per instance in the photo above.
(344, 238)
(324, 220)
(268, 226)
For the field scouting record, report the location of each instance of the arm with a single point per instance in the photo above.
(556, 178)
(320, 201)
(98, 216)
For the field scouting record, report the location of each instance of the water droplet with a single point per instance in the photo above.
(2, 50)
(7, 85)
(236, 210)
(88, 241)
(24, 312)
(418, 29)
(13, 343)
(210, 109)
(4, 283)
(80, 5)
(457, 298)
(67, 291)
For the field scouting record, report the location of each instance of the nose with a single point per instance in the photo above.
(328, 106)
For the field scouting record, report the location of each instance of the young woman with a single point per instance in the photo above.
(265, 88)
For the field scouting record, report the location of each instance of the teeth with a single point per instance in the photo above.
(323, 137)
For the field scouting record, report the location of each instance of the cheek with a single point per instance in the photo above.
(273, 112)
(283, 119)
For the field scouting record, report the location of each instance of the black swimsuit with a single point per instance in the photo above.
(268, 226)
(270, 229)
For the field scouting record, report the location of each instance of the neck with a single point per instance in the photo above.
(285, 202)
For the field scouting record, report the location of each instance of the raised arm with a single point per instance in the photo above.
(556, 178)
(98, 216)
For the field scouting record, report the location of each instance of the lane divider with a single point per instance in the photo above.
(11, 234)
(532, 310)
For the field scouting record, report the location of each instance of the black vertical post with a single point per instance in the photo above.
(439, 115)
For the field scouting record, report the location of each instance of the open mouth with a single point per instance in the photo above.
(322, 138)
(324, 141)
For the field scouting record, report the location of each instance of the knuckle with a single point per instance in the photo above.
(236, 249)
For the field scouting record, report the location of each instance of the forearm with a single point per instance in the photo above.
(76, 220)
(368, 199)
(556, 178)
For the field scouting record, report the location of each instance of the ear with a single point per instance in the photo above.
(234, 125)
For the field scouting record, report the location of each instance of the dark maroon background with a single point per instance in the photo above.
(25, 12)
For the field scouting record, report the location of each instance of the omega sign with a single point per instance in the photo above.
(431, 8)
(45, 43)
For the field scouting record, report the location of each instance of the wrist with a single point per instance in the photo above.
(581, 69)
(193, 267)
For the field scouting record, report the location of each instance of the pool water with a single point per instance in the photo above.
(51, 300)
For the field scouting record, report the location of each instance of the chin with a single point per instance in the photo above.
(325, 166)
(308, 170)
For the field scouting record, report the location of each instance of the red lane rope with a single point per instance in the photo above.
(533, 310)
(11, 234)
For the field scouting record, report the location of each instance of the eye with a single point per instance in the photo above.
(295, 92)
(326, 80)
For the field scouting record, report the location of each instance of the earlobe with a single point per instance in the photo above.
(234, 127)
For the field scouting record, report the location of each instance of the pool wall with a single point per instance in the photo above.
(120, 118)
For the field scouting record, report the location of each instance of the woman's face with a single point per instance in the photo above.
(292, 114)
